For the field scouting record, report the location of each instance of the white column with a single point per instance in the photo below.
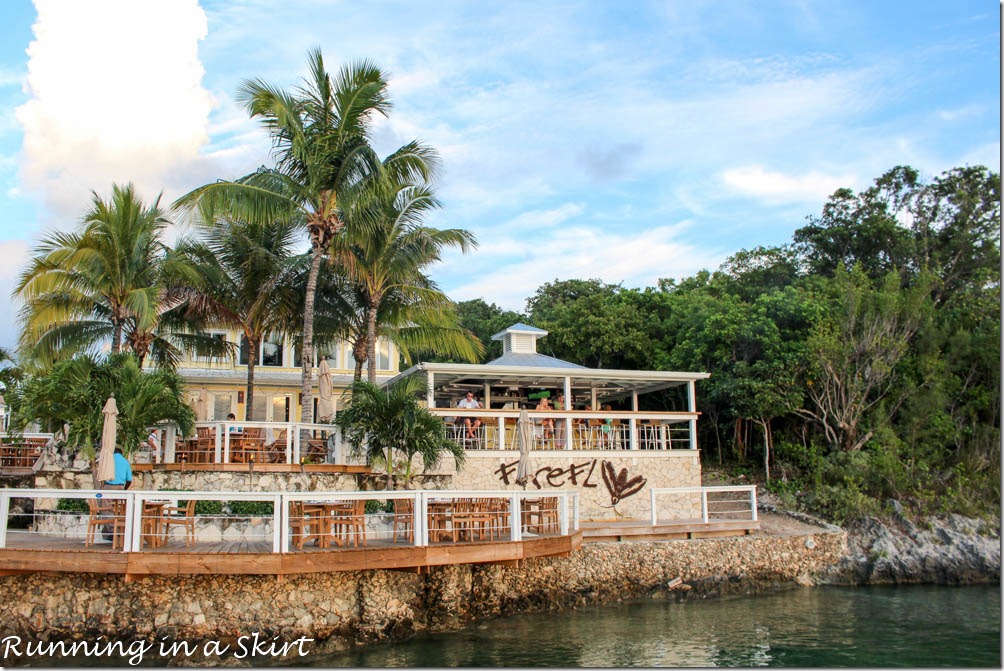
(568, 420)
(430, 397)
(170, 436)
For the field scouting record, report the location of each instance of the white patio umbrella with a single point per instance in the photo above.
(106, 460)
(524, 441)
(325, 406)
(202, 406)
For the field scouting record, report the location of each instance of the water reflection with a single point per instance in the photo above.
(875, 626)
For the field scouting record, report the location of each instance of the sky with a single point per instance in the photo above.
(623, 141)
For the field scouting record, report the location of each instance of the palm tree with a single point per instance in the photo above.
(248, 281)
(415, 318)
(385, 251)
(74, 391)
(320, 136)
(106, 282)
(387, 420)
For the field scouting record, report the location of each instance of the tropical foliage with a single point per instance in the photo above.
(320, 137)
(385, 253)
(74, 392)
(248, 279)
(858, 364)
(387, 423)
(110, 282)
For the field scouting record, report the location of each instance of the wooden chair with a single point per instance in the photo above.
(470, 517)
(105, 514)
(302, 527)
(276, 450)
(183, 517)
(404, 516)
(541, 516)
(350, 525)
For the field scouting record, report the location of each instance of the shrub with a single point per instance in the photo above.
(72, 505)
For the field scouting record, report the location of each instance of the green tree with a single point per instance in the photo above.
(856, 349)
(110, 281)
(74, 392)
(587, 323)
(320, 136)
(385, 249)
(388, 421)
(248, 280)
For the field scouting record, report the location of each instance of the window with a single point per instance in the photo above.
(383, 354)
(270, 352)
(219, 338)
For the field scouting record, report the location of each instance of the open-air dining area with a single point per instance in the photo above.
(234, 524)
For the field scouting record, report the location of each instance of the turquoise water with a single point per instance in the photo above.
(906, 626)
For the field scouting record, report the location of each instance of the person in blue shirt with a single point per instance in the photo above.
(123, 472)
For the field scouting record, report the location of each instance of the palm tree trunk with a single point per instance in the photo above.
(252, 359)
(359, 350)
(371, 337)
(307, 353)
(116, 337)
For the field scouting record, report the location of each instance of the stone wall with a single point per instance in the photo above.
(338, 610)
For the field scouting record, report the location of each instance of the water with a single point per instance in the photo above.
(906, 626)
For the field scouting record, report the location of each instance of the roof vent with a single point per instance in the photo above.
(519, 339)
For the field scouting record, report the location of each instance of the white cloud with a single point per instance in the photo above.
(636, 260)
(115, 94)
(777, 187)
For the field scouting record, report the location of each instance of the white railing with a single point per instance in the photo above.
(714, 502)
(294, 442)
(511, 515)
(575, 429)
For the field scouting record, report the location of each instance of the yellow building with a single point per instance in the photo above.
(277, 377)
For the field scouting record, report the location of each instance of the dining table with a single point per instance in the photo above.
(440, 520)
(153, 527)
(327, 513)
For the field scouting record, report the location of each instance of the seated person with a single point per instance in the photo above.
(547, 422)
(471, 423)
(231, 417)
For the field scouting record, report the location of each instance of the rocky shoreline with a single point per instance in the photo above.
(949, 550)
(340, 610)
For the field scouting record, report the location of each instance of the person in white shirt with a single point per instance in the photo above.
(471, 423)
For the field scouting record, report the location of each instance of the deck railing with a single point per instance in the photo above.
(24, 452)
(574, 429)
(433, 517)
(711, 503)
(274, 442)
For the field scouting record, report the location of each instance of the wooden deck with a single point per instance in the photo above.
(29, 553)
(642, 530)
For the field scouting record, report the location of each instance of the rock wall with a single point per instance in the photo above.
(338, 610)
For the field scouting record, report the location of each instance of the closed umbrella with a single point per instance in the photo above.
(325, 408)
(106, 460)
(202, 406)
(524, 440)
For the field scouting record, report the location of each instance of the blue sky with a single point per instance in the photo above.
(625, 141)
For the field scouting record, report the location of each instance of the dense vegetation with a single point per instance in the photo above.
(857, 364)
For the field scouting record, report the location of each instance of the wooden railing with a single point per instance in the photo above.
(575, 429)
(23, 453)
